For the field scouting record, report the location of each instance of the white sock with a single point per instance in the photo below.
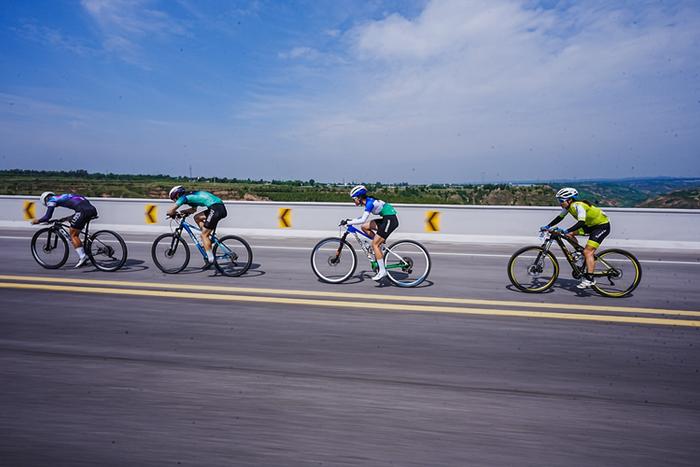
(210, 256)
(81, 252)
(382, 268)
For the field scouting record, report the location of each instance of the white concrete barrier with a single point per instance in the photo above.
(631, 227)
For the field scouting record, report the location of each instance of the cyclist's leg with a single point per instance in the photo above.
(200, 217)
(77, 222)
(385, 226)
(211, 218)
(369, 228)
(596, 236)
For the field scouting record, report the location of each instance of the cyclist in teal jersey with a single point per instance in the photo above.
(207, 220)
(387, 223)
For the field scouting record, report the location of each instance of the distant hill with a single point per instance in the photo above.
(680, 199)
(630, 192)
(650, 192)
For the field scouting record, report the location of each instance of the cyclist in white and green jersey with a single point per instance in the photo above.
(387, 223)
(207, 220)
(592, 221)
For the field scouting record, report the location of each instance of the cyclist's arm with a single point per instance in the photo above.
(557, 219)
(47, 215)
(581, 217)
(360, 220)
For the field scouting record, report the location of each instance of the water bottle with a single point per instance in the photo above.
(579, 259)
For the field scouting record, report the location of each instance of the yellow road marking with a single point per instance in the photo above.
(363, 305)
(354, 296)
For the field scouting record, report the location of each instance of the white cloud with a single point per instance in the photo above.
(508, 90)
(125, 23)
(52, 37)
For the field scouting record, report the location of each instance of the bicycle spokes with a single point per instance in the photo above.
(617, 273)
(407, 263)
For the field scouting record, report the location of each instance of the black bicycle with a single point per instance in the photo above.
(534, 269)
(105, 249)
(232, 254)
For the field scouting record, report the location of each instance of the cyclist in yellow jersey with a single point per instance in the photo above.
(592, 221)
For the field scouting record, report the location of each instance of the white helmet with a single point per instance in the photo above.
(176, 192)
(567, 193)
(359, 190)
(44, 198)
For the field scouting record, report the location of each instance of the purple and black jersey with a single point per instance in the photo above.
(75, 202)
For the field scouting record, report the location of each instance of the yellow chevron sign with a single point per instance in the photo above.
(432, 221)
(285, 218)
(151, 214)
(29, 210)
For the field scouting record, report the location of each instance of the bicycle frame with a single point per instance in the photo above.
(551, 237)
(191, 230)
(367, 248)
(61, 228)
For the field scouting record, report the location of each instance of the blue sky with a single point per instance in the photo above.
(354, 90)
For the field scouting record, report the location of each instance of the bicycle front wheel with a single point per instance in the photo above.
(407, 263)
(333, 260)
(170, 253)
(533, 270)
(232, 256)
(49, 248)
(617, 273)
(107, 250)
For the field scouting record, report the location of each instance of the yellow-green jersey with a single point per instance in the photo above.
(587, 213)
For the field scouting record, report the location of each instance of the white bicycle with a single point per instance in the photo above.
(334, 260)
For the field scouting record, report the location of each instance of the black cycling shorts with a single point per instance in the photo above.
(386, 225)
(214, 214)
(83, 213)
(596, 234)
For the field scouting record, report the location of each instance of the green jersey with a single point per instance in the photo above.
(198, 198)
(587, 213)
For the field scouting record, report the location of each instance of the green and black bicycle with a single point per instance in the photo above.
(534, 269)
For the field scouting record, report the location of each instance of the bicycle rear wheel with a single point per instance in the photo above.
(617, 273)
(49, 249)
(232, 256)
(533, 270)
(107, 250)
(170, 253)
(407, 263)
(333, 260)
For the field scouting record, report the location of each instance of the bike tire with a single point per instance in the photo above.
(168, 250)
(60, 242)
(228, 252)
(395, 275)
(319, 258)
(512, 263)
(636, 268)
(102, 244)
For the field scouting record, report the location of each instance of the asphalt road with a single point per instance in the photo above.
(276, 368)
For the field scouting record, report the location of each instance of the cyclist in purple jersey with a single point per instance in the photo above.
(84, 211)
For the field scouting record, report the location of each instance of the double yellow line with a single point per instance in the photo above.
(346, 300)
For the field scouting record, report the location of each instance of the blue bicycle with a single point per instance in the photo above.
(232, 254)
